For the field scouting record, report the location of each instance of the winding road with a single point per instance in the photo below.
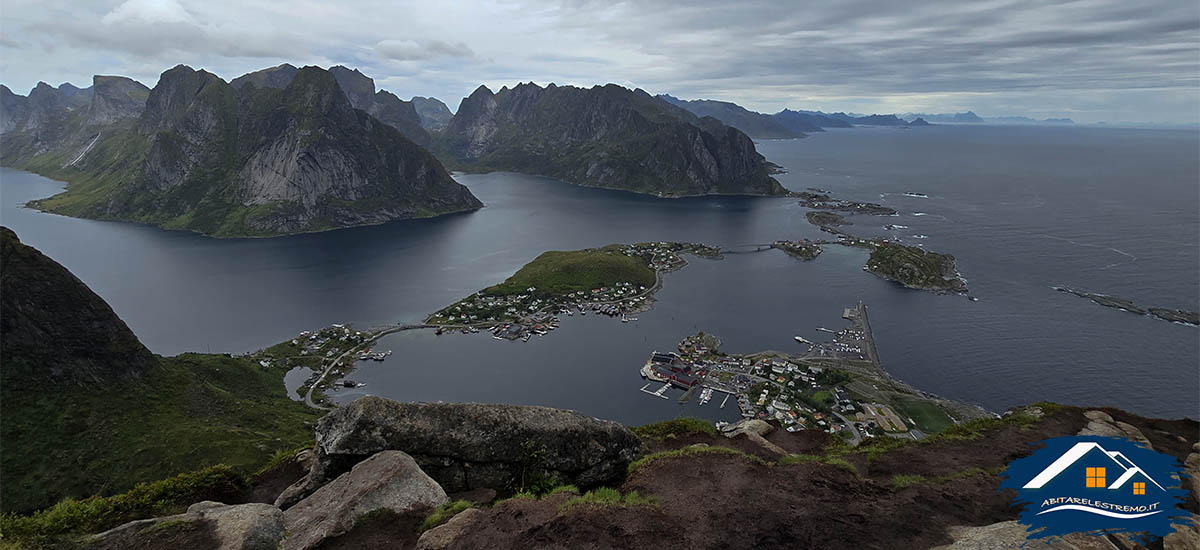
(383, 331)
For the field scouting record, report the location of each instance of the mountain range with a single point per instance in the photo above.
(230, 159)
(604, 136)
(287, 150)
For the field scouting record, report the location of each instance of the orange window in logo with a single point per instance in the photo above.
(1095, 477)
(1139, 488)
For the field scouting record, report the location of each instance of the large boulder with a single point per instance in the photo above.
(204, 525)
(443, 537)
(388, 480)
(466, 446)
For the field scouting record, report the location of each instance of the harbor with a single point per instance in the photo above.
(836, 386)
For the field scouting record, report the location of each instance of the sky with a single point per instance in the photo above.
(1090, 60)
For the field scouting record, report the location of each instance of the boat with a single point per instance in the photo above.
(802, 340)
(438, 331)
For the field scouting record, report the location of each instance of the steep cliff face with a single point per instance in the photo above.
(401, 115)
(435, 115)
(206, 156)
(114, 98)
(605, 136)
(55, 331)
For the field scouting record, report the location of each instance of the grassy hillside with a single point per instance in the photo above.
(563, 272)
(190, 412)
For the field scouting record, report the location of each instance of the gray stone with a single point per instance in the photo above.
(443, 536)
(388, 480)
(237, 527)
(1008, 535)
(466, 446)
(1101, 424)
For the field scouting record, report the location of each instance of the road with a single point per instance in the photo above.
(853, 431)
(384, 331)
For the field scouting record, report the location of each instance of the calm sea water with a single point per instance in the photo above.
(1023, 209)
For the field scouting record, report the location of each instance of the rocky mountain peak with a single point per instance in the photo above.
(358, 87)
(114, 98)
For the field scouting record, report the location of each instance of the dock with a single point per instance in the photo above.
(865, 324)
(724, 400)
(657, 393)
(687, 395)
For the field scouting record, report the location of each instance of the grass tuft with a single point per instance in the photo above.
(443, 514)
(675, 428)
(691, 451)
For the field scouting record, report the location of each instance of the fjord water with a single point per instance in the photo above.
(1022, 208)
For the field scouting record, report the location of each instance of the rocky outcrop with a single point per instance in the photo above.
(1102, 424)
(434, 114)
(605, 136)
(209, 157)
(115, 98)
(1007, 535)
(55, 330)
(465, 445)
(388, 480)
(205, 525)
(444, 536)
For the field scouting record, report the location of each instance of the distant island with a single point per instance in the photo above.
(604, 136)
(278, 151)
(1166, 314)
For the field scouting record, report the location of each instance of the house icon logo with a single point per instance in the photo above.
(1085, 484)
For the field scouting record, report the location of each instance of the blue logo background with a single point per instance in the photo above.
(1075, 493)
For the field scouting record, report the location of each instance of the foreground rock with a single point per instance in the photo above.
(389, 480)
(205, 525)
(466, 446)
(443, 537)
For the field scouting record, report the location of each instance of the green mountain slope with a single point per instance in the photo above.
(89, 410)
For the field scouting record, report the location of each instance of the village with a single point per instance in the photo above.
(828, 386)
(535, 309)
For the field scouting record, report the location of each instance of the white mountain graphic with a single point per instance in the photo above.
(1126, 466)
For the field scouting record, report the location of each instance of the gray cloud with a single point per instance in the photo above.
(412, 50)
(1090, 59)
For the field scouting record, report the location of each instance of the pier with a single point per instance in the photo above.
(657, 393)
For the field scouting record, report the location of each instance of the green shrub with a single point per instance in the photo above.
(443, 514)
(160, 498)
(606, 496)
(691, 451)
(675, 428)
(901, 481)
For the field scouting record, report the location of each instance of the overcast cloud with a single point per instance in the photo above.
(1090, 60)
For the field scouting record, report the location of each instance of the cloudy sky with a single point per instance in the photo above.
(1090, 60)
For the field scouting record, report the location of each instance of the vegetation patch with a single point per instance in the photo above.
(187, 413)
(830, 460)
(678, 427)
(443, 514)
(928, 416)
(692, 451)
(606, 496)
(160, 498)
